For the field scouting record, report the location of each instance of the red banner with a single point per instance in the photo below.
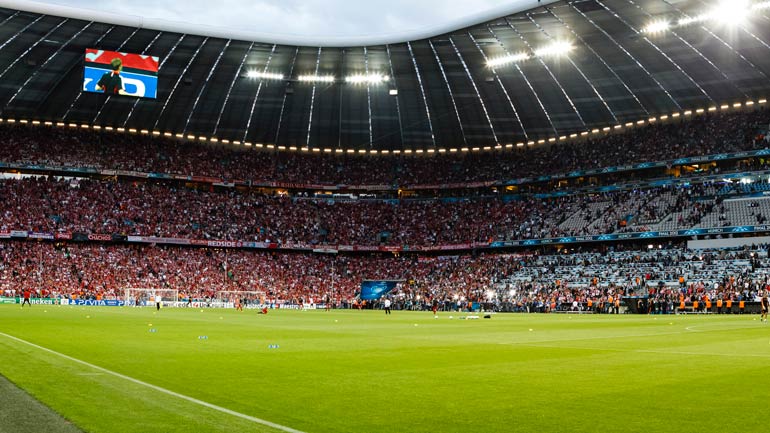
(134, 61)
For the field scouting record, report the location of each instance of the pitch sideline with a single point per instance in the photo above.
(158, 388)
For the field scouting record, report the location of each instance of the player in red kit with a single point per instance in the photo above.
(26, 298)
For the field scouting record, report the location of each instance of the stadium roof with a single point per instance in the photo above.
(440, 92)
(140, 19)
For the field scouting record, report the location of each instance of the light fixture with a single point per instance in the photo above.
(731, 12)
(264, 75)
(366, 79)
(316, 78)
(504, 60)
(554, 49)
(657, 27)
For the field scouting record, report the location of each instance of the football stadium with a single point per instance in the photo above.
(548, 216)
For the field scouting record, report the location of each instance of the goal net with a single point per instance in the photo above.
(247, 298)
(142, 297)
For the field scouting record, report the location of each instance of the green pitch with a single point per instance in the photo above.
(351, 371)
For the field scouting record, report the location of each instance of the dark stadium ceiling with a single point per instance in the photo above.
(440, 93)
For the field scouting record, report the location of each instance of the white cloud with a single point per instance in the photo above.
(310, 18)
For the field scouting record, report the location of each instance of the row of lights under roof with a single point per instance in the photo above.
(200, 138)
(352, 79)
(730, 12)
(557, 48)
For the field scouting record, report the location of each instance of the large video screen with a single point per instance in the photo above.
(115, 73)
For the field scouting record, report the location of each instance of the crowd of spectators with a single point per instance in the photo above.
(517, 282)
(701, 135)
(47, 205)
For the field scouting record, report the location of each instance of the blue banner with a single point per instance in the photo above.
(95, 303)
(141, 85)
(376, 289)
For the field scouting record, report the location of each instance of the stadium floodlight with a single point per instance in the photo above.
(657, 26)
(316, 78)
(555, 49)
(366, 78)
(264, 75)
(504, 60)
(731, 12)
(691, 20)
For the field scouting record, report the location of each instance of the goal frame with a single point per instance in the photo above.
(224, 297)
(149, 298)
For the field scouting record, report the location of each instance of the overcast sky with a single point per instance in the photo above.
(300, 17)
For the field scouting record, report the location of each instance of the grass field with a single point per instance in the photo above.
(360, 371)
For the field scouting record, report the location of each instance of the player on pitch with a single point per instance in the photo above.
(26, 298)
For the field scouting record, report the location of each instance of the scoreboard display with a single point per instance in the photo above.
(116, 73)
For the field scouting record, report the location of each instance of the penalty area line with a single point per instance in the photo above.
(158, 388)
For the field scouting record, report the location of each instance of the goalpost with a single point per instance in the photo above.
(228, 298)
(142, 297)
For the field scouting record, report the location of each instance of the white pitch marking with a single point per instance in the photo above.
(661, 352)
(610, 337)
(159, 389)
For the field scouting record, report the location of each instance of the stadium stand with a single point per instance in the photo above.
(702, 135)
(77, 190)
(47, 205)
(502, 282)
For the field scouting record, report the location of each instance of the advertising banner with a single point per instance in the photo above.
(371, 289)
(95, 303)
